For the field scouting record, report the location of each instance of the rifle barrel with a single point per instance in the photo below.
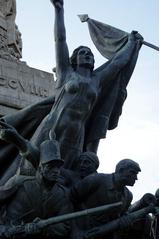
(116, 223)
(15, 230)
(69, 216)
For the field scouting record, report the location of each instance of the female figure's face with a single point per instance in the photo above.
(85, 58)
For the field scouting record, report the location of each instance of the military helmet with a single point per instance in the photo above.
(50, 152)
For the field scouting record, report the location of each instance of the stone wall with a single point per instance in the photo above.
(21, 85)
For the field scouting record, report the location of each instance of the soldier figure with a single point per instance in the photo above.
(99, 189)
(88, 164)
(24, 198)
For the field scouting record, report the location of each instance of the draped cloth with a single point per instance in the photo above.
(108, 109)
(105, 116)
(107, 39)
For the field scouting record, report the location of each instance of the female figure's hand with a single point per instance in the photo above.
(136, 36)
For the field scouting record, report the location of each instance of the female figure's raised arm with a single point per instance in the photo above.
(61, 49)
(111, 69)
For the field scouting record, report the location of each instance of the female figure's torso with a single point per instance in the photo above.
(72, 107)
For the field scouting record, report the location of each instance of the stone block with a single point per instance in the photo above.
(21, 85)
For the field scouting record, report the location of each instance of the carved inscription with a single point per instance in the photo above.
(23, 86)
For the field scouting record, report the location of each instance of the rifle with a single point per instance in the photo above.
(42, 223)
(145, 201)
(118, 224)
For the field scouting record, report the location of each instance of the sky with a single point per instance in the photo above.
(137, 134)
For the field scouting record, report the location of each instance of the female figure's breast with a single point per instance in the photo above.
(74, 107)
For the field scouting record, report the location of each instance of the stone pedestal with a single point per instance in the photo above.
(3, 35)
(21, 85)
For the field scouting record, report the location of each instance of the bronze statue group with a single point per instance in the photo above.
(48, 154)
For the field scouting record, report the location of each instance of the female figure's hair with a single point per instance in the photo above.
(73, 58)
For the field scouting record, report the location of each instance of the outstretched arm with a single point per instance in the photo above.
(10, 135)
(110, 69)
(26, 149)
(61, 49)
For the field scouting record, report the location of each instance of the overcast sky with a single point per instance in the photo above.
(137, 135)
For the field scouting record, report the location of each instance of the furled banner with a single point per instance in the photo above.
(107, 39)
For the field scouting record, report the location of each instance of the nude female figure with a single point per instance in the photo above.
(78, 88)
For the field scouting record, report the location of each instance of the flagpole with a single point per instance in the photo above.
(150, 45)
